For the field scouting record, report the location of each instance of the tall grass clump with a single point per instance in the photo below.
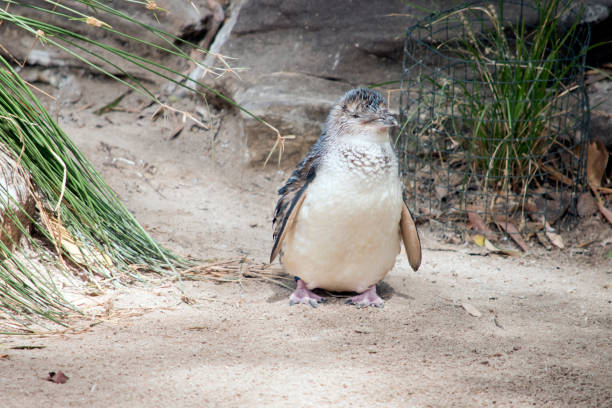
(79, 223)
(495, 112)
(513, 100)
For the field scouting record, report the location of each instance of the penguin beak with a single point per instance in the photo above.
(389, 120)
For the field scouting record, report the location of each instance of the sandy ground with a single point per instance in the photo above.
(544, 338)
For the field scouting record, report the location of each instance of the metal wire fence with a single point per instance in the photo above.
(494, 115)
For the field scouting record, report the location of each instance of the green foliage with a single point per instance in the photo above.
(78, 214)
(519, 77)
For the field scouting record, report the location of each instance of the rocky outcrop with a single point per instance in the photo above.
(296, 104)
(178, 18)
(302, 55)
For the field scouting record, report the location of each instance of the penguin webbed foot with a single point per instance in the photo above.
(367, 298)
(303, 295)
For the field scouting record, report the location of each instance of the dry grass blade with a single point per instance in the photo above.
(73, 246)
(492, 101)
(278, 144)
(237, 269)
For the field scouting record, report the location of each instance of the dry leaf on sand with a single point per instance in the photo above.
(476, 222)
(479, 240)
(555, 239)
(597, 161)
(471, 310)
(489, 245)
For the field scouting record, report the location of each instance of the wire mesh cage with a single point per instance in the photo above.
(494, 115)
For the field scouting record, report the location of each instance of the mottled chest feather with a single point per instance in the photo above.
(371, 160)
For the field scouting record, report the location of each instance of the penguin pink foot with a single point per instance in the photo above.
(367, 298)
(303, 295)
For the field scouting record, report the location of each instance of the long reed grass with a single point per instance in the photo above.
(519, 78)
(79, 220)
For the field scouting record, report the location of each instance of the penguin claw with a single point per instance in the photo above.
(302, 295)
(367, 298)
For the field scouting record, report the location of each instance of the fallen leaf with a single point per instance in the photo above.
(597, 160)
(177, 132)
(514, 234)
(605, 212)
(198, 328)
(555, 239)
(586, 205)
(585, 243)
(489, 245)
(479, 240)
(58, 378)
(362, 331)
(477, 223)
(71, 245)
(3, 355)
(472, 311)
(552, 235)
(543, 240)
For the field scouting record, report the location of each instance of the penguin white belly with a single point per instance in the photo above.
(346, 236)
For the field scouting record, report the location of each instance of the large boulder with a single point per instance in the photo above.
(294, 103)
(302, 55)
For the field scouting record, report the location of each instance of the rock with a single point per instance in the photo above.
(68, 90)
(315, 50)
(600, 97)
(595, 13)
(182, 19)
(16, 201)
(293, 110)
(359, 44)
(302, 56)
